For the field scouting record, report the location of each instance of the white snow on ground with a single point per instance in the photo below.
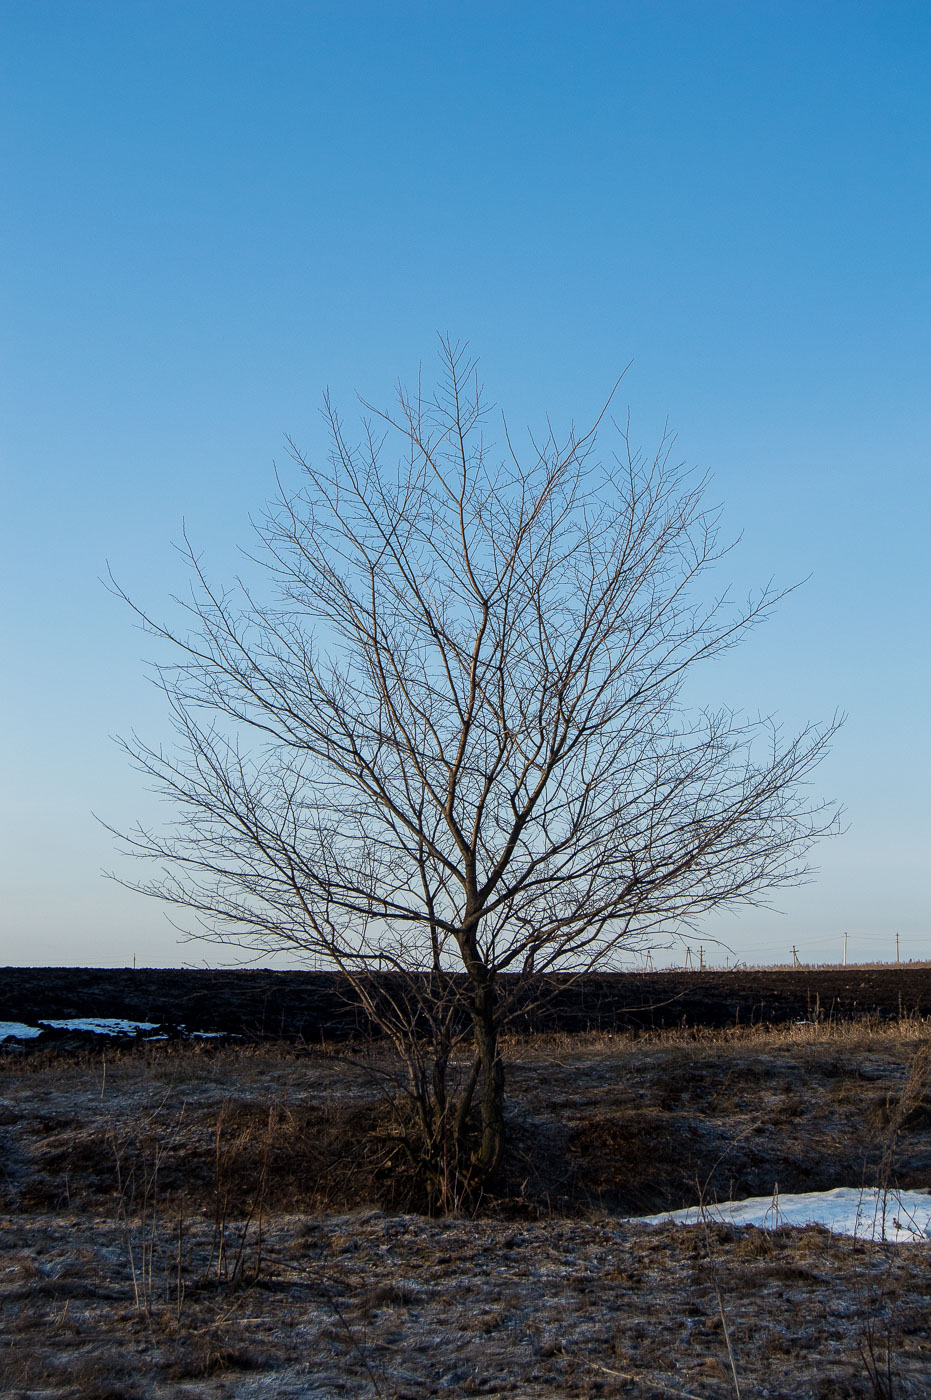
(898, 1217)
(16, 1030)
(101, 1025)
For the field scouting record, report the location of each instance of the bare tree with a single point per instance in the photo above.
(455, 745)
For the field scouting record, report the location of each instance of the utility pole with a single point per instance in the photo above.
(897, 962)
(795, 961)
(845, 949)
(701, 955)
(689, 967)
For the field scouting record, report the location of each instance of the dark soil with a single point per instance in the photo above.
(315, 1006)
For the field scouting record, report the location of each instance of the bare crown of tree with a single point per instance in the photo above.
(455, 739)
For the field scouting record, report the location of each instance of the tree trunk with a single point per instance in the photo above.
(491, 1096)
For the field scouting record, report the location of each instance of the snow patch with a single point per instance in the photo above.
(17, 1030)
(101, 1025)
(897, 1217)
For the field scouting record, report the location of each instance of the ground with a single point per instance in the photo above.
(315, 1006)
(230, 1221)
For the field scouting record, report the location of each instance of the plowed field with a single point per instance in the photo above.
(314, 1006)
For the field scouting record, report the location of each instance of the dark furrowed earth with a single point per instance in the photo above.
(313, 1006)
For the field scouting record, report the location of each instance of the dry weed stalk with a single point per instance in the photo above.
(716, 1285)
(137, 1163)
(158, 1248)
(877, 1341)
(223, 1213)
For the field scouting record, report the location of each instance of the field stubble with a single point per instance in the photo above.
(217, 1221)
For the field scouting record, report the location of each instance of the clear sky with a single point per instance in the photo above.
(211, 211)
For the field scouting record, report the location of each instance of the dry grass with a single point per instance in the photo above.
(210, 1221)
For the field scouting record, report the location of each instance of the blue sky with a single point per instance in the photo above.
(213, 211)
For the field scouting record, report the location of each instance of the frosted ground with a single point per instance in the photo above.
(200, 1220)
